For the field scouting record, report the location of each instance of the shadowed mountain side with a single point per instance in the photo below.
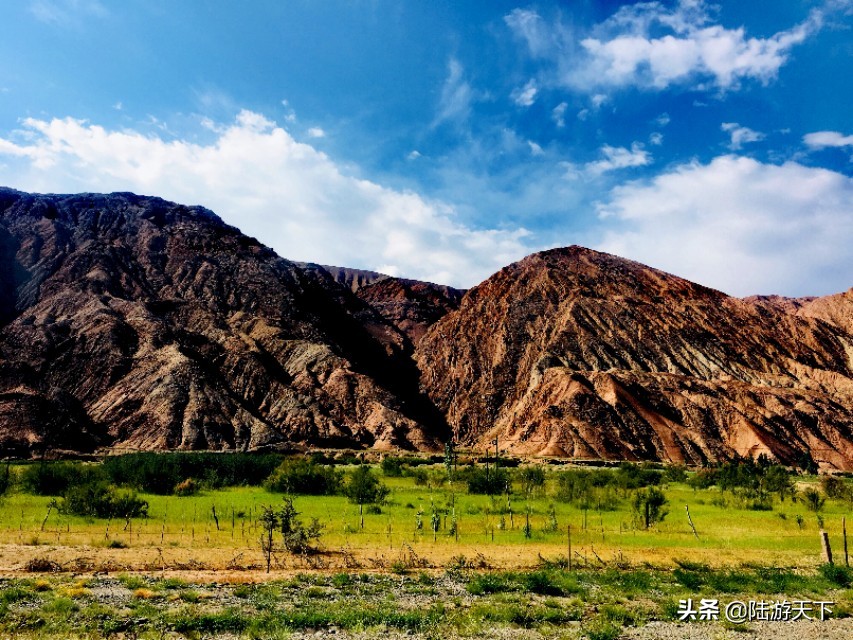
(579, 353)
(410, 305)
(162, 327)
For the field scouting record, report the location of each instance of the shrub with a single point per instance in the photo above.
(813, 500)
(675, 473)
(160, 473)
(392, 467)
(304, 476)
(188, 487)
(54, 478)
(835, 488)
(5, 480)
(632, 476)
(100, 500)
(532, 478)
(364, 488)
(486, 480)
(295, 536)
(648, 506)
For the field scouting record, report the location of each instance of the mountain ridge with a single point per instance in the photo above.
(131, 322)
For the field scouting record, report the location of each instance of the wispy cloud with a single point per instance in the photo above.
(456, 96)
(823, 139)
(259, 178)
(740, 135)
(651, 46)
(739, 225)
(66, 12)
(558, 114)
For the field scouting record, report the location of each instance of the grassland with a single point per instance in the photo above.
(194, 567)
(183, 531)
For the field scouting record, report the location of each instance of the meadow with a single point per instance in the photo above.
(558, 551)
(432, 524)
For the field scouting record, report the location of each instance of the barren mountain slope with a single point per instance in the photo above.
(410, 305)
(579, 353)
(836, 309)
(134, 322)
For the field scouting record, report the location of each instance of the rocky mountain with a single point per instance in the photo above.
(410, 305)
(572, 352)
(132, 322)
(836, 309)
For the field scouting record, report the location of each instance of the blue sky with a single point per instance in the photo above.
(443, 140)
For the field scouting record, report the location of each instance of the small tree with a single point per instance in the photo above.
(532, 479)
(649, 506)
(813, 500)
(364, 488)
(450, 458)
(296, 537)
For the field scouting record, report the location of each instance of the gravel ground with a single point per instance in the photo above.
(834, 629)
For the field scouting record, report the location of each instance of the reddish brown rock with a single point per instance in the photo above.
(134, 322)
(572, 352)
(410, 305)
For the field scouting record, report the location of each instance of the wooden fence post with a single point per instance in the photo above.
(827, 550)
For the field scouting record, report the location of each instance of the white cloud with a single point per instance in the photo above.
(541, 38)
(598, 100)
(823, 139)
(740, 135)
(559, 114)
(739, 225)
(619, 158)
(414, 154)
(535, 149)
(663, 119)
(456, 96)
(258, 178)
(66, 12)
(654, 47)
(525, 96)
(656, 138)
(316, 132)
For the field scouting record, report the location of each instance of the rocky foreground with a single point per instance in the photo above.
(128, 322)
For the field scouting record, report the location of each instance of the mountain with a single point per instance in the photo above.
(571, 352)
(132, 322)
(129, 322)
(410, 305)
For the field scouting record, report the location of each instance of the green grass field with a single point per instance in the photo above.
(489, 530)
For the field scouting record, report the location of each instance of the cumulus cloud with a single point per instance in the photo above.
(739, 225)
(259, 178)
(740, 135)
(316, 132)
(619, 158)
(823, 139)
(652, 46)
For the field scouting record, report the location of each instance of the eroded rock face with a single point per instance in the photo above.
(410, 305)
(572, 352)
(129, 321)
